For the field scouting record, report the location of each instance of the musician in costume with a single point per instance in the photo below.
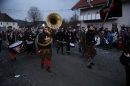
(44, 44)
(125, 57)
(78, 34)
(20, 36)
(69, 38)
(29, 40)
(10, 39)
(82, 40)
(0, 40)
(60, 37)
(90, 45)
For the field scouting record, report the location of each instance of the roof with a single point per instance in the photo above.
(5, 18)
(84, 3)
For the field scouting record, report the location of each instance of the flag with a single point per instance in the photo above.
(115, 9)
(97, 12)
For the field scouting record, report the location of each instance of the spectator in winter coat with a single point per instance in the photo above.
(110, 39)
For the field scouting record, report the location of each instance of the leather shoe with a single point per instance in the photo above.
(90, 67)
(42, 66)
(92, 63)
(48, 70)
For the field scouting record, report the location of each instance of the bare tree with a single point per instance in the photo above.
(74, 21)
(34, 15)
(64, 23)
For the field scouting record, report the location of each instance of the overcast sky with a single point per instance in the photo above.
(17, 9)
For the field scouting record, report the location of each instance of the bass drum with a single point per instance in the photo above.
(16, 47)
(72, 45)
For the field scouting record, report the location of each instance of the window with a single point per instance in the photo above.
(13, 23)
(1, 23)
(88, 12)
(85, 13)
(7, 23)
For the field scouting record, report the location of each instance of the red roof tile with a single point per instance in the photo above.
(84, 3)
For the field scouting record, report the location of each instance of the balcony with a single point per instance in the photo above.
(92, 17)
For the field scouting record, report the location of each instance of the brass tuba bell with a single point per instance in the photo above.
(54, 20)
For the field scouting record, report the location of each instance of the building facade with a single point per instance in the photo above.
(6, 21)
(89, 14)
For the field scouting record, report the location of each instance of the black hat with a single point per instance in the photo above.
(29, 28)
(9, 26)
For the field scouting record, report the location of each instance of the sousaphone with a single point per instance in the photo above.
(53, 21)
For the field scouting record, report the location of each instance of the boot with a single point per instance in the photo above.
(42, 66)
(48, 69)
(15, 59)
(90, 67)
(92, 64)
(57, 52)
(12, 60)
(68, 52)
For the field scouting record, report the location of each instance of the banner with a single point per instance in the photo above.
(115, 9)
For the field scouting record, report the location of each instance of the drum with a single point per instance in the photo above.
(72, 45)
(64, 43)
(127, 55)
(30, 42)
(16, 47)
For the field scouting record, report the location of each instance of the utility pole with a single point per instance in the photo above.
(75, 19)
(107, 13)
(0, 6)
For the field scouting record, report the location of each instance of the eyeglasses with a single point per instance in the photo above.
(45, 29)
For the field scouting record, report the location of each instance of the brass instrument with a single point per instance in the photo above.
(53, 21)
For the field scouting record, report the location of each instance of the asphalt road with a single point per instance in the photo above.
(67, 70)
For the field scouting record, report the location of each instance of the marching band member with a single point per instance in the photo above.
(82, 40)
(29, 39)
(60, 36)
(0, 40)
(125, 60)
(10, 39)
(69, 39)
(78, 40)
(90, 45)
(45, 50)
(20, 36)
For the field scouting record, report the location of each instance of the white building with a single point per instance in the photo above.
(6, 21)
(89, 14)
